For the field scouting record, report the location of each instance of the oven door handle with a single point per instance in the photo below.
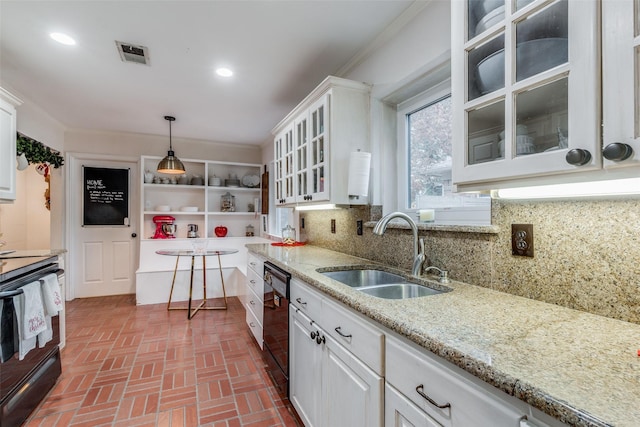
(10, 294)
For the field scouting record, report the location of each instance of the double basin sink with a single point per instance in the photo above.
(381, 284)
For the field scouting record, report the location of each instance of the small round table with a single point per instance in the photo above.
(193, 255)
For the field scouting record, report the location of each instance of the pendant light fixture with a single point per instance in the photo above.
(170, 164)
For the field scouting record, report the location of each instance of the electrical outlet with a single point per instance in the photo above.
(333, 226)
(522, 240)
(359, 227)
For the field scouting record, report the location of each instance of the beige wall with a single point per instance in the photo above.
(136, 145)
(25, 224)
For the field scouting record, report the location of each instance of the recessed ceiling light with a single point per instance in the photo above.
(63, 38)
(224, 72)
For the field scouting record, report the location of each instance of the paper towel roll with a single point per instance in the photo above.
(358, 183)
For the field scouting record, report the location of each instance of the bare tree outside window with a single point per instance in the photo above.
(430, 151)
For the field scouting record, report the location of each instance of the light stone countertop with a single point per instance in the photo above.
(580, 368)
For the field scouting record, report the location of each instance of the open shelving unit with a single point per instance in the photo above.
(206, 198)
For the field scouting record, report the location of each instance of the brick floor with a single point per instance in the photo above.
(128, 365)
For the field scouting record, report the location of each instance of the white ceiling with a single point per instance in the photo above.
(279, 50)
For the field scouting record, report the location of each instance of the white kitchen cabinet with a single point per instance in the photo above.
(525, 78)
(314, 141)
(448, 394)
(305, 373)
(352, 392)
(551, 89)
(206, 197)
(252, 297)
(620, 81)
(330, 385)
(8, 130)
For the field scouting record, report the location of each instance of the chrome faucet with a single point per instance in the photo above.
(418, 253)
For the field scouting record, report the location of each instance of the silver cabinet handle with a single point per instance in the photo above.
(252, 303)
(252, 264)
(339, 331)
(252, 281)
(420, 390)
(299, 301)
(252, 325)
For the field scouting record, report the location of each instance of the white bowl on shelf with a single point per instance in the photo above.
(189, 209)
(163, 208)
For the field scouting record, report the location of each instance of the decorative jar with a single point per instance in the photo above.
(227, 202)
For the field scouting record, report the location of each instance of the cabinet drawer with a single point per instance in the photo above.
(255, 263)
(254, 326)
(362, 339)
(254, 304)
(254, 282)
(472, 402)
(306, 299)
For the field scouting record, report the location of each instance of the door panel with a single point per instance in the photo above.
(353, 392)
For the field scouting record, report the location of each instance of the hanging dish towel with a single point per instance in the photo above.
(51, 295)
(8, 329)
(33, 321)
(23, 345)
(47, 335)
(52, 301)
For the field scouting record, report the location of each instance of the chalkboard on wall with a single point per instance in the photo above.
(105, 196)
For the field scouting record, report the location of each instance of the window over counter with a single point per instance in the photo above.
(424, 125)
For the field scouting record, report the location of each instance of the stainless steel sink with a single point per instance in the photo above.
(399, 291)
(365, 277)
(381, 284)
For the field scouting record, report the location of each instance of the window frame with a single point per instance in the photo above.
(460, 215)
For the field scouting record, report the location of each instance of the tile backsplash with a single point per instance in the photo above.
(587, 253)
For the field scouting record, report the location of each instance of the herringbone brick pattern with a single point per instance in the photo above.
(128, 365)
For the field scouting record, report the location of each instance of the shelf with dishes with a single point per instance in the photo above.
(207, 195)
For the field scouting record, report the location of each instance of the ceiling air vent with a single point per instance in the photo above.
(133, 53)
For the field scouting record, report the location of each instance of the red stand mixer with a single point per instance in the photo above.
(165, 227)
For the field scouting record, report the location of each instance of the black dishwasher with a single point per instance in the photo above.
(276, 326)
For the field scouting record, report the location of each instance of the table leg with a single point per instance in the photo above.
(224, 291)
(173, 282)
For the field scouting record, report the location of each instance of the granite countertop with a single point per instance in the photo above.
(580, 368)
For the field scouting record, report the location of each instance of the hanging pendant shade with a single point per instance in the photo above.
(170, 164)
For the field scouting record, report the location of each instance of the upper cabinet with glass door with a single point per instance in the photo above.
(284, 167)
(329, 124)
(525, 81)
(621, 83)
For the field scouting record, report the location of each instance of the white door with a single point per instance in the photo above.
(103, 258)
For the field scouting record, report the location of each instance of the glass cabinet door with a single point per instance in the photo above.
(284, 167)
(278, 150)
(525, 80)
(301, 136)
(318, 150)
(621, 83)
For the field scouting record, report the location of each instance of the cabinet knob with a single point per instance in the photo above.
(578, 157)
(617, 151)
(134, 235)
